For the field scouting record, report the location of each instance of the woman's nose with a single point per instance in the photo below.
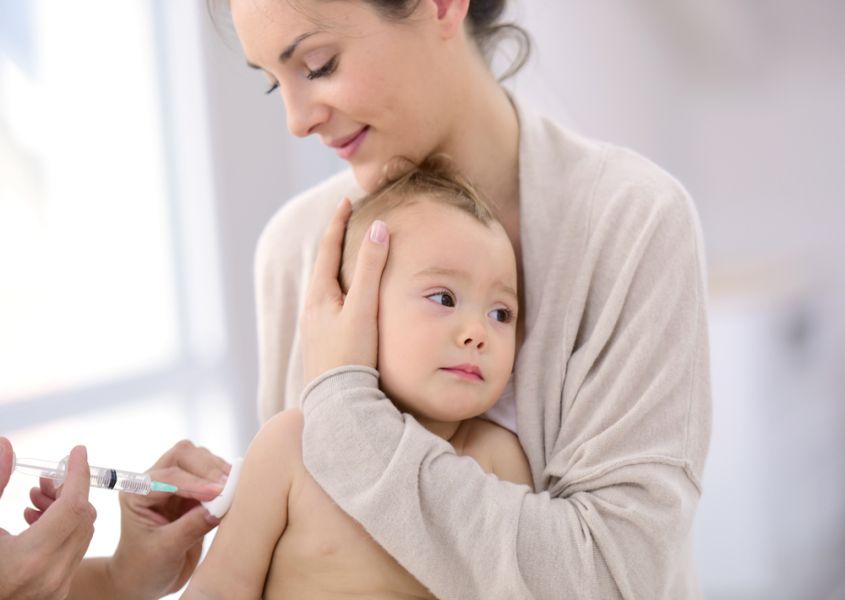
(304, 114)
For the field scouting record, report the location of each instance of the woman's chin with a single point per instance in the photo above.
(369, 176)
(374, 173)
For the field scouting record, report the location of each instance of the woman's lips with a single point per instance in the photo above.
(348, 148)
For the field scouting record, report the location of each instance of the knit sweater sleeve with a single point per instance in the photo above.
(615, 451)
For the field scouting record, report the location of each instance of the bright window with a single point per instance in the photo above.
(111, 323)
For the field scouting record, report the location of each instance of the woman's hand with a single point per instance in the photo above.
(338, 330)
(42, 560)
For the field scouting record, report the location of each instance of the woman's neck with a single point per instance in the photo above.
(485, 142)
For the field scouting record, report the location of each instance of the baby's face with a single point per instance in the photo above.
(447, 313)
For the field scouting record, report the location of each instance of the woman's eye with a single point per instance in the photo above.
(442, 298)
(272, 88)
(326, 69)
(502, 315)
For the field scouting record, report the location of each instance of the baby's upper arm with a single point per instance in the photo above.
(499, 452)
(239, 558)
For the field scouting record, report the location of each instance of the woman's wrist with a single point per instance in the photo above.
(121, 580)
(95, 579)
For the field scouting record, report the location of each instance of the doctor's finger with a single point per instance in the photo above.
(327, 266)
(48, 487)
(68, 521)
(5, 462)
(40, 500)
(188, 485)
(77, 482)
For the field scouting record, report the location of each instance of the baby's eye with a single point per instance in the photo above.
(442, 298)
(502, 315)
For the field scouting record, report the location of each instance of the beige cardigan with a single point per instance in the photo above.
(612, 392)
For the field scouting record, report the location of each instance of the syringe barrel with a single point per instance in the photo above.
(114, 479)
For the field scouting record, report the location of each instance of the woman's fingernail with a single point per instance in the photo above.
(211, 519)
(378, 232)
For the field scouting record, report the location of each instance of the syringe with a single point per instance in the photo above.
(101, 477)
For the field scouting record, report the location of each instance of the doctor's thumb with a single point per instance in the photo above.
(5, 463)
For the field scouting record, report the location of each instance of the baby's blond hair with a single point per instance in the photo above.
(435, 179)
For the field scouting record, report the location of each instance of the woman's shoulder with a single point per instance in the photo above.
(298, 224)
(602, 176)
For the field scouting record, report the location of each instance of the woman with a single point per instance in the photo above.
(610, 394)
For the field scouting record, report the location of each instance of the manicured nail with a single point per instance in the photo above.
(211, 519)
(378, 232)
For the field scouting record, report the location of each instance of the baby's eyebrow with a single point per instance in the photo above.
(461, 274)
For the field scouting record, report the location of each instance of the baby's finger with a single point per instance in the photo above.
(324, 278)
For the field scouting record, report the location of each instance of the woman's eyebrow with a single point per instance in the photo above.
(289, 50)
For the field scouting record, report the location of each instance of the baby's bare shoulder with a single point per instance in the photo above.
(497, 450)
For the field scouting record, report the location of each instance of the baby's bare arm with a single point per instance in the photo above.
(239, 558)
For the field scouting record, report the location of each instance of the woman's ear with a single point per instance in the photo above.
(450, 15)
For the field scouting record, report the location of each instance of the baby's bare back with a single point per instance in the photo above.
(325, 554)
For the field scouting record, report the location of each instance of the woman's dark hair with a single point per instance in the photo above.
(483, 15)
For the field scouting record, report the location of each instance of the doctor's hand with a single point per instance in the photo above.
(161, 534)
(338, 330)
(41, 561)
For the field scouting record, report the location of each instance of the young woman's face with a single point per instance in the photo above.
(369, 87)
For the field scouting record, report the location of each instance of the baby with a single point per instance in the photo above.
(447, 339)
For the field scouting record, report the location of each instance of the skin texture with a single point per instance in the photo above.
(300, 543)
(160, 542)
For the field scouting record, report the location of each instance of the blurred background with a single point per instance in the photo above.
(139, 161)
